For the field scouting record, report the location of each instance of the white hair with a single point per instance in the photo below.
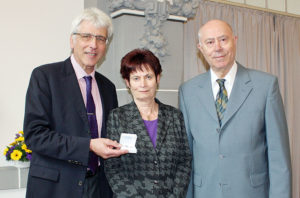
(96, 17)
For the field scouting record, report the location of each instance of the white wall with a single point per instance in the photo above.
(32, 33)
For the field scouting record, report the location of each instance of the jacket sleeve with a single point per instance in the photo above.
(39, 124)
(114, 169)
(278, 145)
(182, 177)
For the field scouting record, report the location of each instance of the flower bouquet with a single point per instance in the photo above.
(17, 150)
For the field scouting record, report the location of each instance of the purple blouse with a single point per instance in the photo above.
(151, 126)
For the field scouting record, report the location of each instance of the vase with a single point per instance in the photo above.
(20, 164)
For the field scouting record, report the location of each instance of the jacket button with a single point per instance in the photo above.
(80, 183)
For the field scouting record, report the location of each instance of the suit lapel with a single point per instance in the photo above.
(136, 124)
(162, 125)
(72, 89)
(103, 102)
(206, 97)
(240, 91)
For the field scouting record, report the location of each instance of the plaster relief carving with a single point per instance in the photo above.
(156, 13)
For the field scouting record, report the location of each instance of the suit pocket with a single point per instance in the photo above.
(44, 173)
(258, 179)
(197, 180)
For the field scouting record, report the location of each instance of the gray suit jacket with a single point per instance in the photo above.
(249, 155)
(161, 172)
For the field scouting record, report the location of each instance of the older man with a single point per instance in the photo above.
(67, 104)
(236, 125)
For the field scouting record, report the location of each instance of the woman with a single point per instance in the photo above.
(161, 167)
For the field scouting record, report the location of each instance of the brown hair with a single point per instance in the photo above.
(136, 60)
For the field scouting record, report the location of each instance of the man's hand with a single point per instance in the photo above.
(106, 148)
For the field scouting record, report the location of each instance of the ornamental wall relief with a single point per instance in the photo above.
(156, 12)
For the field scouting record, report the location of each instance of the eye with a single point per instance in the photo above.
(86, 36)
(209, 43)
(135, 78)
(101, 38)
(223, 40)
(149, 77)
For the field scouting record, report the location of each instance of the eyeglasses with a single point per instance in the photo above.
(88, 37)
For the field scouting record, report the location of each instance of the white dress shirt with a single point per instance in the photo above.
(229, 80)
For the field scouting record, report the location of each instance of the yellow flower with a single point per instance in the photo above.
(5, 151)
(21, 132)
(20, 139)
(28, 151)
(16, 155)
(24, 147)
(13, 143)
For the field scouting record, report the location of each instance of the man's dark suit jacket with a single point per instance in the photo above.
(56, 129)
(152, 173)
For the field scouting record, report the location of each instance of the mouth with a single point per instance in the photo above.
(219, 57)
(144, 91)
(91, 53)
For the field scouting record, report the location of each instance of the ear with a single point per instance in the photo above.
(71, 42)
(200, 47)
(158, 79)
(127, 83)
(235, 39)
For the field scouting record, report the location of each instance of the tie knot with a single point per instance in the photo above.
(88, 78)
(221, 82)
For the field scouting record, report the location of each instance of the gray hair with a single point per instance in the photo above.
(96, 17)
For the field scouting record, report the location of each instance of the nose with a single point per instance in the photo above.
(93, 43)
(217, 45)
(143, 82)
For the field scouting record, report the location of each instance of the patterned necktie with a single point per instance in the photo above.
(221, 100)
(91, 113)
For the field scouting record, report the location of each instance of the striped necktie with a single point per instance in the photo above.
(221, 100)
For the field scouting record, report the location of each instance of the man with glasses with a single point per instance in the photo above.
(236, 125)
(67, 104)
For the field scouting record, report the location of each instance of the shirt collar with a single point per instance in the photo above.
(79, 71)
(230, 76)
